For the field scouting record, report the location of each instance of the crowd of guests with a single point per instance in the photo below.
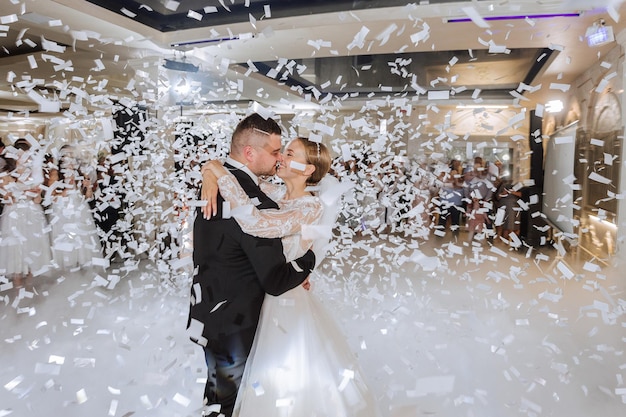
(60, 213)
(47, 221)
(418, 197)
(483, 196)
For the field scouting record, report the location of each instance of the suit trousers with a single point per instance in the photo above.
(226, 359)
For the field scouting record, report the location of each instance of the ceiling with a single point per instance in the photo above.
(74, 56)
(169, 16)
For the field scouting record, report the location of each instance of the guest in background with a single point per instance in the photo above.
(24, 238)
(451, 197)
(371, 186)
(50, 180)
(390, 179)
(75, 240)
(3, 164)
(477, 194)
(424, 190)
(508, 212)
(494, 170)
(493, 177)
(108, 198)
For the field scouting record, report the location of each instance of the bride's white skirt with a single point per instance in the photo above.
(301, 364)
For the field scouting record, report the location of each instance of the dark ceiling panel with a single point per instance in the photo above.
(12, 44)
(155, 14)
(494, 74)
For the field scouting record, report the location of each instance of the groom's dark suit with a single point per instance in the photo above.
(234, 271)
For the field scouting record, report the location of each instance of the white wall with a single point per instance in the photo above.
(596, 100)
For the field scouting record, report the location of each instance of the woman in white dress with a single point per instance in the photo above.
(75, 241)
(300, 364)
(24, 238)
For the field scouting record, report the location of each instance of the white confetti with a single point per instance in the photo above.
(475, 17)
(32, 62)
(171, 4)
(194, 15)
(359, 39)
(81, 396)
(9, 386)
(8, 19)
(128, 12)
(113, 408)
(182, 400)
(559, 86)
(284, 402)
(594, 176)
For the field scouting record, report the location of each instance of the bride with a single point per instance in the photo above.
(300, 364)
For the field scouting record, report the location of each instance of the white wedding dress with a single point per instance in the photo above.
(24, 237)
(75, 240)
(300, 364)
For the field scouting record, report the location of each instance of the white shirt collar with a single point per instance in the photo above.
(244, 168)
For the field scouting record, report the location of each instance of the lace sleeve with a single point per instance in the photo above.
(274, 191)
(268, 223)
(232, 192)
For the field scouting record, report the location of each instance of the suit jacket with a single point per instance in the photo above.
(235, 270)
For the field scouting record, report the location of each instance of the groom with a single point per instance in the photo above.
(235, 270)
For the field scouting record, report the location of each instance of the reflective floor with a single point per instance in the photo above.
(441, 328)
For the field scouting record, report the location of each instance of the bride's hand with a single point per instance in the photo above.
(211, 171)
(215, 167)
(209, 193)
(306, 284)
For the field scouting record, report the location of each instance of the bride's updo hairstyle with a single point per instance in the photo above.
(317, 154)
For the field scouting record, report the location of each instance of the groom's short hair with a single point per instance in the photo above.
(250, 128)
